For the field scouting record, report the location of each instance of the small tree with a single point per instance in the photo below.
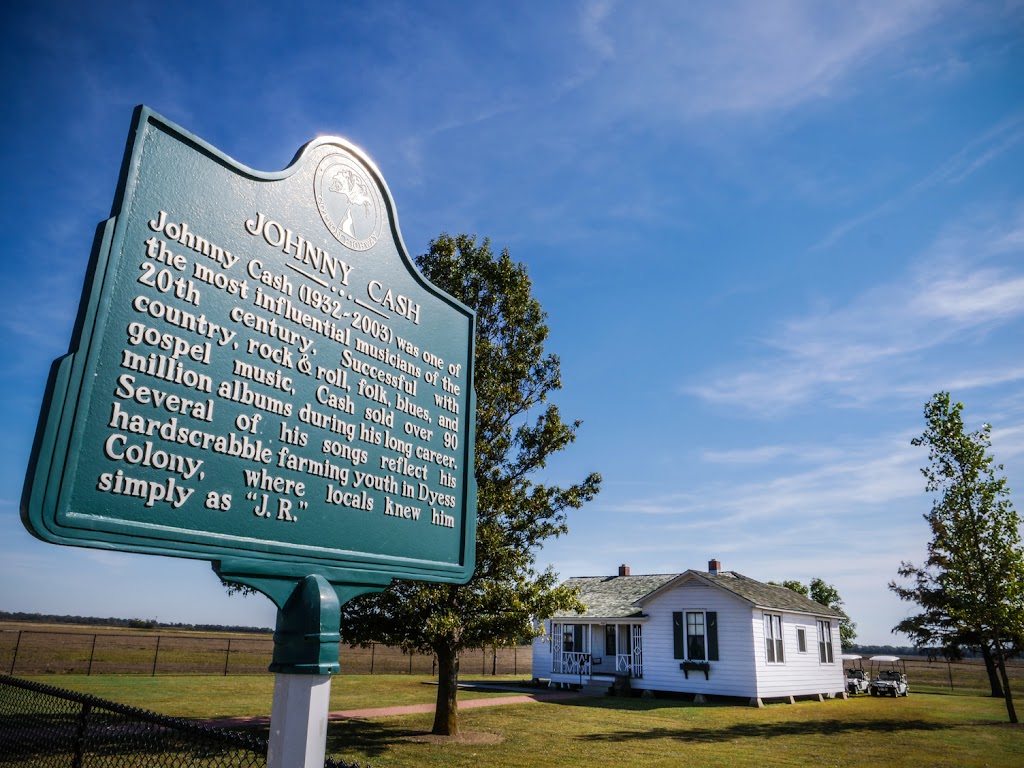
(971, 586)
(827, 595)
(517, 430)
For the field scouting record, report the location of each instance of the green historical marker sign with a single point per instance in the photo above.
(260, 377)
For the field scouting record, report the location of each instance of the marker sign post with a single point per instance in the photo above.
(260, 377)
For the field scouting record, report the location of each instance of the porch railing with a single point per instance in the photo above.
(572, 663)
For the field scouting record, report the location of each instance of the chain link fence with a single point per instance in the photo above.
(44, 726)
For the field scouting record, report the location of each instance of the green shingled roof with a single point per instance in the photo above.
(619, 597)
(765, 595)
(613, 597)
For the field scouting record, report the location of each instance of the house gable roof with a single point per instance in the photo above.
(756, 593)
(621, 597)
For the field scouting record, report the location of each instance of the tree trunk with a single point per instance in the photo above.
(993, 673)
(446, 712)
(1000, 660)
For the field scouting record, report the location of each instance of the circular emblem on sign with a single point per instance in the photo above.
(349, 201)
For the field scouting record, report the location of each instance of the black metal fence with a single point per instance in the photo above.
(45, 726)
(35, 652)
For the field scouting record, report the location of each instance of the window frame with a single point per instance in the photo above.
(826, 651)
(774, 645)
(679, 635)
(801, 639)
(689, 638)
(576, 635)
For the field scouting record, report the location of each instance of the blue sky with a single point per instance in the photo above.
(764, 233)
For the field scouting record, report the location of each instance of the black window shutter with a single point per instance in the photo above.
(712, 619)
(678, 643)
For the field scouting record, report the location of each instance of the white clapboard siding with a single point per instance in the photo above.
(800, 673)
(542, 653)
(732, 675)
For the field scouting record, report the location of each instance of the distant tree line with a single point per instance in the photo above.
(110, 621)
(901, 650)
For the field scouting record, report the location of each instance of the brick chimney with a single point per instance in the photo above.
(623, 570)
(714, 567)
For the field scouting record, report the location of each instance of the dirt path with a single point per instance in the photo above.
(408, 709)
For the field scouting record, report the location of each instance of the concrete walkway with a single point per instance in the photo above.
(408, 709)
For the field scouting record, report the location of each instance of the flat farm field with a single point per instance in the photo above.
(36, 648)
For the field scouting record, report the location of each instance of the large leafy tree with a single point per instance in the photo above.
(971, 586)
(517, 430)
(821, 592)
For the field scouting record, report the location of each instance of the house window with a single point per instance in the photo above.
(801, 639)
(610, 632)
(572, 638)
(695, 650)
(825, 642)
(773, 639)
(695, 635)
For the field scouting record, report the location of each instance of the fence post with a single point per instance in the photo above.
(156, 655)
(80, 733)
(227, 658)
(373, 648)
(515, 659)
(92, 653)
(14, 659)
(949, 668)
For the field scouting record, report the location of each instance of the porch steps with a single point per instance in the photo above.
(596, 687)
(621, 686)
(605, 686)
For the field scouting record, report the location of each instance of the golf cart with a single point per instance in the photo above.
(888, 676)
(857, 680)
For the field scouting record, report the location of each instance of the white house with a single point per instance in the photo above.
(704, 633)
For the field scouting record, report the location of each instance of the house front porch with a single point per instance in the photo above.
(595, 651)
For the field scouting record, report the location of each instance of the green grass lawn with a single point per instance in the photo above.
(211, 696)
(929, 729)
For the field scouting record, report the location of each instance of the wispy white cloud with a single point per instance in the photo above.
(1008, 442)
(650, 66)
(972, 157)
(879, 343)
(741, 57)
(847, 480)
(758, 455)
(848, 516)
(593, 18)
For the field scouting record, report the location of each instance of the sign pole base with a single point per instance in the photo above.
(298, 721)
(306, 643)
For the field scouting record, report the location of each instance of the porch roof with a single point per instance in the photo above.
(614, 597)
